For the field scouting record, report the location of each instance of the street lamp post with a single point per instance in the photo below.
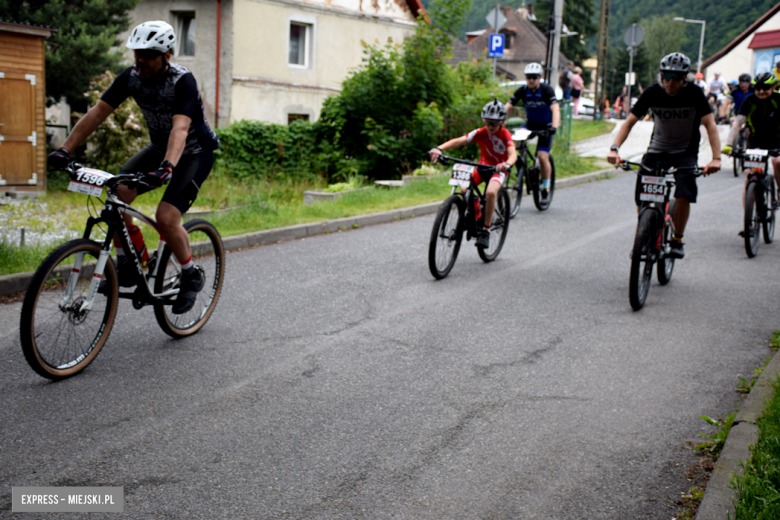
(701, 45)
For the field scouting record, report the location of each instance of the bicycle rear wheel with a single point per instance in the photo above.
(666, 263)
(768, 224)
(642, 259)
(58, 338)
(752, 211)
(446, 237)
(208, 255)
(498, 228)
(543, 204)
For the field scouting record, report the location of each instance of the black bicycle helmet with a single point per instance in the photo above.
(494, 110)
(744, 77)
(675, 62)
(765, 78)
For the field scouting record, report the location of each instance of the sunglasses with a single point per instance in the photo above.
(493, 123)
(673, 76)
(764, 87)
(148, 54)
(529, 77)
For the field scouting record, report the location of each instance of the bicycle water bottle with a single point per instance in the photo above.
(138, 242)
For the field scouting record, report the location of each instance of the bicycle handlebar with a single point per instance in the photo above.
(131, 180)
(445, 160)
(697, 170)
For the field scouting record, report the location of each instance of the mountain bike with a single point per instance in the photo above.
(67, 314)
(760, 199)
(528, 168)
(654, 231)
(463, 212)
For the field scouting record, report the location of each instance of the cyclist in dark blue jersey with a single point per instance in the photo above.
(181, 149)
(542, 113)
(738, 94)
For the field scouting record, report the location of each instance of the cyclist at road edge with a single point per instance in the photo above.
(181, 149)
(496, 148)
(542, 113)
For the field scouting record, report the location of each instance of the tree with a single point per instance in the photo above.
(82, 46)
(662, 36)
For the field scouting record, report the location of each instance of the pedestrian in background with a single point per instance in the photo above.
(577, 84)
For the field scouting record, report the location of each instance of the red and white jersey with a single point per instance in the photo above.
(493, 149)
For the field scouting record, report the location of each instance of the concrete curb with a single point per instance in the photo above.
(13, 283)
(717, 502)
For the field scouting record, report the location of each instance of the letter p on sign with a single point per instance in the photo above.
(496, 46)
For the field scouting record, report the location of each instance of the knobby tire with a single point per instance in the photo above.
(641, 265)
(498, 228)
(58, 339)
(446, 237)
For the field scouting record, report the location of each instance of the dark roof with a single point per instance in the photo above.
(462, 52)
(529, 43)
(27, 25)
(736, 41)
(416, 7)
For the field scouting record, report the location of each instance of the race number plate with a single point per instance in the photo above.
(652, 189)
(89, 181)
(755, 158)
(461, 175)
(521, 134)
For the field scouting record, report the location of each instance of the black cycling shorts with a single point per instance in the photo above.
(188, 175)
(685, 182)
(545, 142)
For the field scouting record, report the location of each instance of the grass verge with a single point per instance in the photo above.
(585, 129)
(261, 205)
(758, 489)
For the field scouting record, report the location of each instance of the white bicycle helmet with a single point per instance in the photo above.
(494, 110)
(157, 36)
(534, 68)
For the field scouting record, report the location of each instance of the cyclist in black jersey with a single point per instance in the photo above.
(181, 149)
(760, 113)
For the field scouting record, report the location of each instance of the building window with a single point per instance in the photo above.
(185, 33)
(297, 117)
(300, 34)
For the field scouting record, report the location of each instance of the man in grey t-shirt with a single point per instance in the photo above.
(678, 110)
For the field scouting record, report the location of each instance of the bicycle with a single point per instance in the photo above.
(67, 316)
(527, 167)
(463, 212)
(654, 232)
(760, 199)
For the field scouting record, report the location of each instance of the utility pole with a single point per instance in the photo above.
(556, 46)
(603, 47)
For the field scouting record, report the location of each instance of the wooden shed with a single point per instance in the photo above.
(22, 107)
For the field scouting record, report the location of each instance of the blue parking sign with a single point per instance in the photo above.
(496, 46)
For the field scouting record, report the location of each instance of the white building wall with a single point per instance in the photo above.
(741, 59)
(266, 87)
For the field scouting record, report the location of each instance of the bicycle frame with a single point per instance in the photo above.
(112, 214)
(468, 196)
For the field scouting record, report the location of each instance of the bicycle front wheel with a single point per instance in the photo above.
(59, 336)
(642, 259)
(498, 228)
(665, 262)
(752, 211)
(446, 237)
(208, 255)
(544, 203)
(768, 224)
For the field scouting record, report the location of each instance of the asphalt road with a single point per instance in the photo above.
(338, 379)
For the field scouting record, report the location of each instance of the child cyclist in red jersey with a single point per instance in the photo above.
(496, 148)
